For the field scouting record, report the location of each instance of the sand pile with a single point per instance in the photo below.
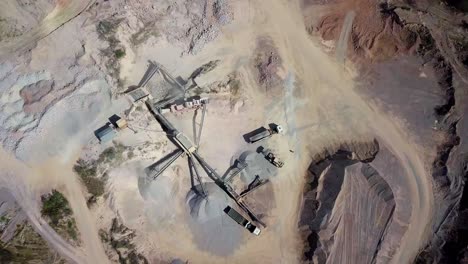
(212, 229)
(159, 198)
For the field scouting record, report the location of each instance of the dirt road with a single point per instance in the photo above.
(342, 44)
(26, 183)
(17, 178)
(331, 97)
(332, 112)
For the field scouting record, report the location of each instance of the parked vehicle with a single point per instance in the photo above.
(272, 158)
(264, 133)
(242, 220)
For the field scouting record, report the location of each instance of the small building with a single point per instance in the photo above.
(105, 133)
(118, 122)
(121, 123)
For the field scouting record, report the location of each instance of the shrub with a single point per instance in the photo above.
(85, 169)
(71, 229)
(55, 206)
(120, 53)
(95, 186)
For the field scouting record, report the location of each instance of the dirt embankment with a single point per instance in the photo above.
(429, 40)
(346, 188)
(385, 29)
(376, 34)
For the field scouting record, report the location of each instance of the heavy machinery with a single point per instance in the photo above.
(190, 149)
(263, 133)
(242, 220)
(272, 158)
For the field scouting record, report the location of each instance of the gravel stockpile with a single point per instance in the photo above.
(213, 230)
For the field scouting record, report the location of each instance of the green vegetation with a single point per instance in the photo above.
(107, 30)
(4, 219)
(27, 246)
(55, 206)
(104, 236)
(112, 155)
(234, 86)
(147, 31)
(90, 171)
(94, 186)
(71, 229)
(119, 53)
(85, 169)
(139, 108)
(88, 174)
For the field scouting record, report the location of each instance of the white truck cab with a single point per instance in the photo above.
(253, 229)
(279, 129)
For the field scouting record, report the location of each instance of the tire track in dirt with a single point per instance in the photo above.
(332, 97)
(342, 44)
(27, 183)
(12, 177)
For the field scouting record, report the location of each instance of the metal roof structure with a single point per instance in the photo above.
(105, 133)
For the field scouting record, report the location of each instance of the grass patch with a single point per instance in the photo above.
(139, 108)
(88, 174)
(119, 53)
(27, 246)
(94, 186)
(71, 229)
(234, 85)
(104, 236)
(4, 219)
(145, 33)
(89, 171)
(112, 155)
(55, 206)
(107, 30)
(85, 169)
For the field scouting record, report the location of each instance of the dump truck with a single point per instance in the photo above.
(241, 220)
(263, 133)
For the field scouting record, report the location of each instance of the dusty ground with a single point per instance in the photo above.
(52, 100)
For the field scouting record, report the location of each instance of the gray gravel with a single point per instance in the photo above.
(213, 230)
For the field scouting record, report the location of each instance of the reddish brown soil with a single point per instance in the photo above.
(376, 32)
